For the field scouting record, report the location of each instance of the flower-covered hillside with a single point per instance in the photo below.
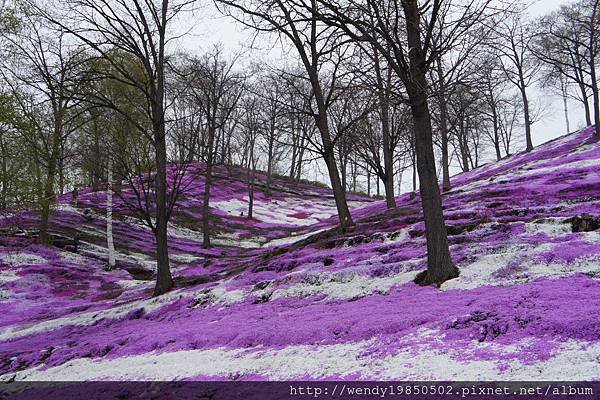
(312, 302)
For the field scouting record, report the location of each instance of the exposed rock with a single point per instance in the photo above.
(585, 223)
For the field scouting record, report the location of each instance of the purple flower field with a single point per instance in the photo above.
(288, 296)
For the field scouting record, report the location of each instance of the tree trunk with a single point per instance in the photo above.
(440, 267)
(496, 135)
(295, 140)
(270, 159)
(339, 192)
(414, 172)
(164, 281)
(368, 182)
(388, 151)
(109, 213)
(4, 182)
(443, 128)
(528, 140)
(48, 192)
(596, 97)
(207, 186)
(563, 90)
(251, 177)
(586, 104)
(300, 160)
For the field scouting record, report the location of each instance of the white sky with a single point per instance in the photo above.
(210, 28)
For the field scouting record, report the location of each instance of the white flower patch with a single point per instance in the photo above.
(5, 277)
(18, 259)
(73, 257)
(234, 240)
(277, 211)
(292, 239)
(552, 227)
(342, 285)
(572, 360)
(482, 272)
(91, 317)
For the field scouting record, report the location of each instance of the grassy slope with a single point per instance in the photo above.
(321, 303)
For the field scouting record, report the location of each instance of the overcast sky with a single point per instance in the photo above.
(211, 28)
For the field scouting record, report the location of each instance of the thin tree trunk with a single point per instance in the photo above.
(251, 177)
(388, 151)
(48, 192)
(3, 160)
(596, 97)
(565, 106)
(414, 172)
(368, 182)
(443, 128)
(109, 215)
(339, 192)
(207, 186)
(586, 104)
(270, 158)
(528, 141)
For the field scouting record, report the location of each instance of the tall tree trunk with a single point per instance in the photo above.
(109, 215)
(164, 280)
(414, 172)
(368, 182)
(596, 97)
(388, 152)
(294, 146)
(48, 192)
(270, 156)
(443, 127)
(496, 135)
(563, 92)
(440, 267)
(207, 186)
(528, 141)
(251, 177)
(400, 173)
(4, 181)
(61, 172)
(300, 160)
(339, 192)
(586, 104)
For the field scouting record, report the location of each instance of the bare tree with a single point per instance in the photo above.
(405, 33)
(216, 87)
(569, 41)
(512, 41)
(43, 73)
(319, 53)
(117, 31)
